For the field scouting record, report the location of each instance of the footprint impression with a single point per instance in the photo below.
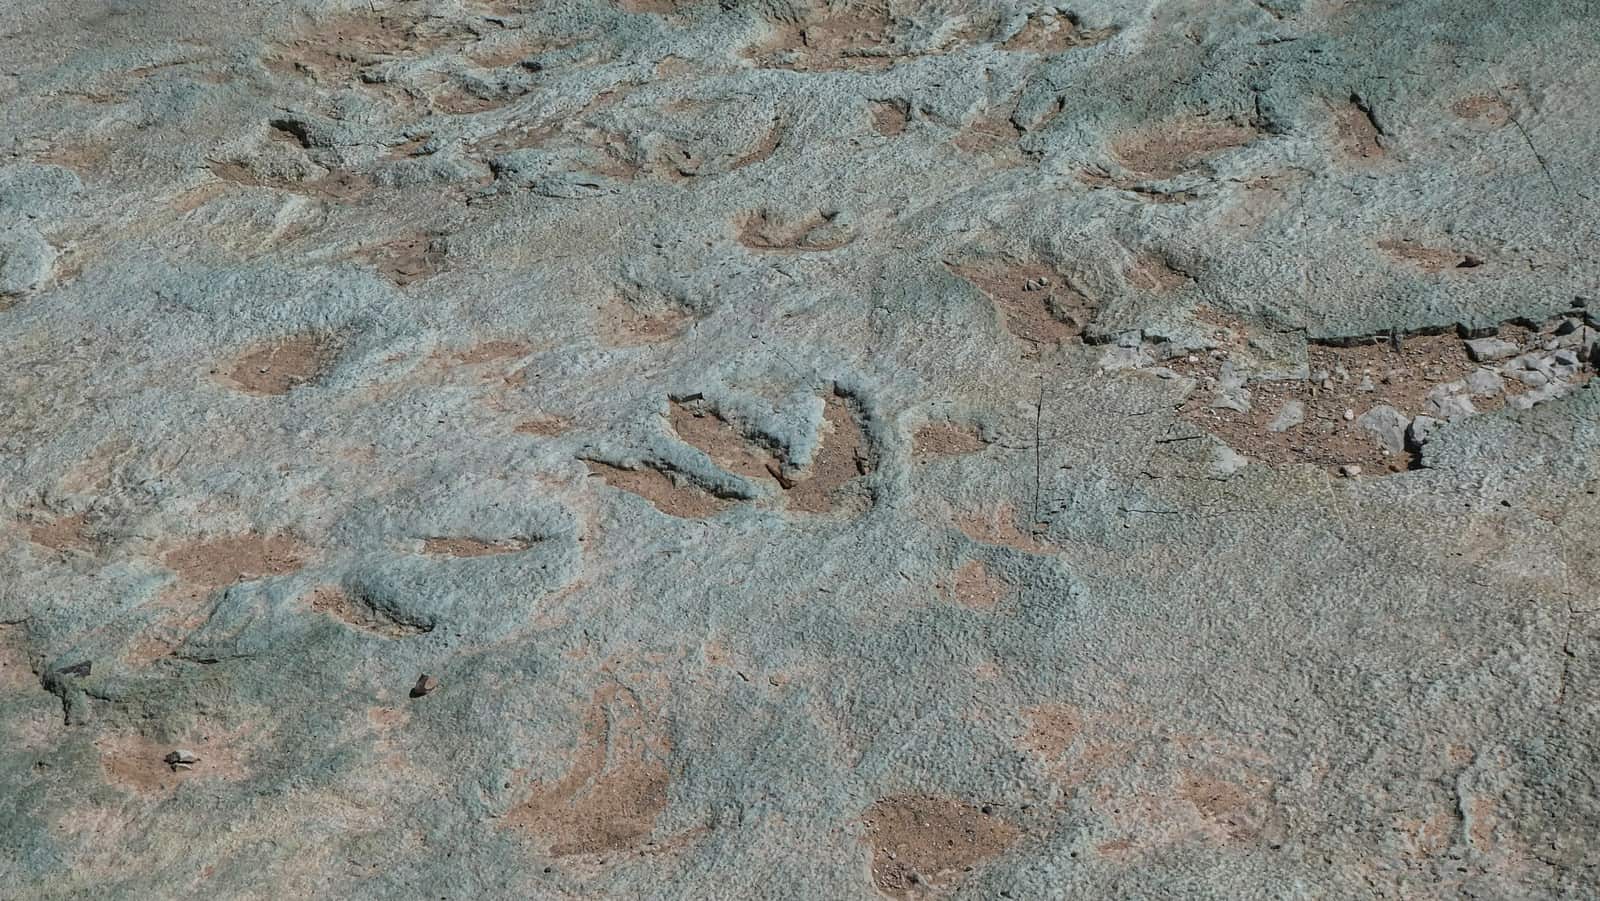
(747, 466)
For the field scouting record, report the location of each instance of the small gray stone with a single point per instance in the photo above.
(1230, 376)
(1448, 402)
(181, 759)
(1350, 470)
(1232, 399)
(1572, 339)
(1530, 363)
(1225, 461)
(1388, 425)
(1117, 358)
(1485, 382)
(1421, 430)
(1289, 415)
(1231, 392)
(1484, 350)
(1539, 395)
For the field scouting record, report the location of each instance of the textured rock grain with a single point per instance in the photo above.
(818, 449)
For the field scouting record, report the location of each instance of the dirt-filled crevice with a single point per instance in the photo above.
(1370, 403)
(843, 455)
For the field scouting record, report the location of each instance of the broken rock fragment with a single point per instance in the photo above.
(1449, 402)
(1231, 391)
(1288, 416)
(1539, 395)
(1225, 461)
(1487, 350)
(1485, 383)
(1421, 430)
(1388, 425)
(181, 759)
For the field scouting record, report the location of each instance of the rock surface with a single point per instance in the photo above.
(827, 450)
(1387, 425)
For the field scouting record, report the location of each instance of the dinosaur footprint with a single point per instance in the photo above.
(717, 459)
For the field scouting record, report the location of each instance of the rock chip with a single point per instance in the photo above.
(1288, 416)
(1484, 383)
(1225, 461)
(1231, 391)
(1530, 363)
(1119, 357)
(1531, 399)
(1388, 425)
(1448, 402)
(1421, 430)
(1487, 350)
